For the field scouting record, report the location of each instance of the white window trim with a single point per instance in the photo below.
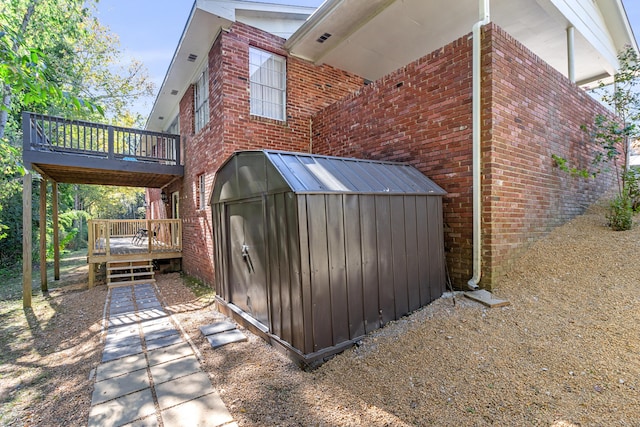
(202, 191)
(201, 100)
(267, 86)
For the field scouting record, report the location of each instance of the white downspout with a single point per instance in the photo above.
(485, 18)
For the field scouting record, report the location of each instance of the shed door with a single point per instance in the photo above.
(247, 276)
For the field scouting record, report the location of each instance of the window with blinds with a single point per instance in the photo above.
(267, 76)
(201, 107)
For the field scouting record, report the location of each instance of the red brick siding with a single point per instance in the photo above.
(232, 128)
(531, 112)
(419, 114)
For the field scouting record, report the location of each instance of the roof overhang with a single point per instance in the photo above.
(206, 20)
(372, 38)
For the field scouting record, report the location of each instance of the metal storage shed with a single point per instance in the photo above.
(312, 252)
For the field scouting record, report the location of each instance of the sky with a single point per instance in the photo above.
(149, 31)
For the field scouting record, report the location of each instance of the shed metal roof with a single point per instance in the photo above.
(314, 173)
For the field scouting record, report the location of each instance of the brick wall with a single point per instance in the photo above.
(421, 114)
(531, 112)
(232, 128)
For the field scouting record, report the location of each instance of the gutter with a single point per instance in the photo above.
(485, 18)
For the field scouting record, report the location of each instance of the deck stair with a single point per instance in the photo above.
(126, 273)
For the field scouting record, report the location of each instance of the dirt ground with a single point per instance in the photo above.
(564, 353)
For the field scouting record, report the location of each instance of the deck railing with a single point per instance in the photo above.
(122, 236)
(55, 134)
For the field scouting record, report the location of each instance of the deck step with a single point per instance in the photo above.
(129, 272)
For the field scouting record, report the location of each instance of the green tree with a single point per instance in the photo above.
(56, 58)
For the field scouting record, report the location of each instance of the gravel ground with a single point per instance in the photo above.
(564, 353)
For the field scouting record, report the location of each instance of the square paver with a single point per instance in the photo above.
(151, 313)
(125, 319)
(122, 366)
(163, 342)
(216, 328)
(151, 421)
(122, 410)
(117, 352)
(167, 331)
(186, 388)
(174, 369)
(124, 340)
(224, 338)
(166, 354)
(206, 411)
(155, 326)
(119, 386)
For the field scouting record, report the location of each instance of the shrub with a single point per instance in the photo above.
(620, 214)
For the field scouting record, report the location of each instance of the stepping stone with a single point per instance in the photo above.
(119, 386)
(216, 328)
(123, 319)
(166, 354)
(207, 411)
(123, 340)
(115, 368)
(122, 309)
(183, 389)
(163, 342)
(151, 421)
(151, 313)
(112, 353)
(164, 325)
(174, 369)
(485, 297)
(224, 338)
(161, 333)
(122, 410)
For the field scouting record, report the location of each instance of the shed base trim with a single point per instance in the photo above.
(304, 361)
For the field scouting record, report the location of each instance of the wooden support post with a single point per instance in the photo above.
(56, 231)
(26, 239)
(43, 235)
(92, 275)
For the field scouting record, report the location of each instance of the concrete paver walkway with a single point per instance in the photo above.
(149, 375)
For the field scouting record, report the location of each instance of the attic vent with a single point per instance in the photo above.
(323, 38)
(192, 57)
(174, 92)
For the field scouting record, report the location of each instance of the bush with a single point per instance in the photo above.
(620, 215)
(632, 188)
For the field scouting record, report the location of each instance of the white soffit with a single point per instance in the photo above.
(372, 38)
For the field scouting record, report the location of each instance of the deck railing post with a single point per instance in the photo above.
(26, 134)
(110, 142)
(177, 148)
(149, 235)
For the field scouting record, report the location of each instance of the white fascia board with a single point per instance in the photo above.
(586, 18)
(227, 8)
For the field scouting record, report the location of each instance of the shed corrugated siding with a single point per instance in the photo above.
(366, 260)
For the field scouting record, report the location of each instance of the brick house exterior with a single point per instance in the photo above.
(420, 114)
(231, 127)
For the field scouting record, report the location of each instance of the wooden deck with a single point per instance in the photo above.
(132, 240)
(78, 152)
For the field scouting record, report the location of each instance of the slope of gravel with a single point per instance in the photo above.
(565, 352)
